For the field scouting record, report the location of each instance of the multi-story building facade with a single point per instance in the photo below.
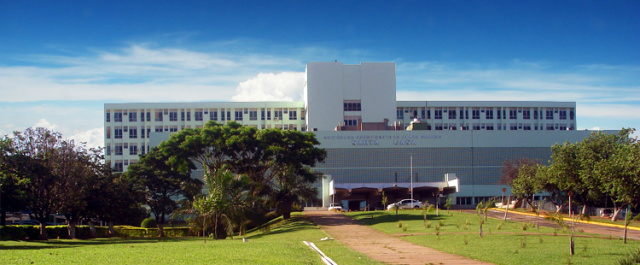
(353, 111)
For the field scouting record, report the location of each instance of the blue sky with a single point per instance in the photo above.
(60, 61)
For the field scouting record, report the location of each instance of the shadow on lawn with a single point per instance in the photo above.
(291, 225)
(71, 243)
(379, 217)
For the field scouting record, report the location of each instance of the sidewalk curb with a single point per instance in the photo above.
(571, 220)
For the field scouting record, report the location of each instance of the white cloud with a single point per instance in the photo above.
(92, 137)
(285, 86)
(45, 124)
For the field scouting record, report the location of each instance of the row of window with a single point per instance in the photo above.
(131, 149)
(118, 165)
(132, 131)
(214, 115)
(499, 126)
(489, 114)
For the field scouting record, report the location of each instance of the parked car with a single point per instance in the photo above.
(406, 204)
(335, 207)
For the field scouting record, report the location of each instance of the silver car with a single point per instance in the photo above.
(406, 204)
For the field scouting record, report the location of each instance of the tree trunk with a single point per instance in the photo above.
(72, 229)
(3, 218)
(43, 230)
(92, 229)
(571, 246)
(112, 231)
(584, 210)
(160, 229)
(480, 230)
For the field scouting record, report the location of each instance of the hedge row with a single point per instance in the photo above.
(30, 232)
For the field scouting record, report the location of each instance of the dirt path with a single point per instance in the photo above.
(380, 246)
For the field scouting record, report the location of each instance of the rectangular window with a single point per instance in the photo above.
(513, 126)
(118, 167)
(399, 114)
(118, 150)
(550, 127)
(277, 114)
(438, 126)
(133, 149)
(198, 115)
(438, 114)
(293, 115)
(238, 115)
(429, 114)
(549, 114)
(489, 114)
(142, 116)
(228, 115)
(142, 132)
(268, 115)
(107, 150)
(526, 127)
(133, 132)
(108, 119)
(499, 115)
(108, 132)
(563, 114)
(352, 105)
(173, 128)
(213, 115)
(188, 115)
(148, 132)
(526, 114)
(158, 129)
(571, 114)
(253, 115)
(158, 115)
(117, 117)
(475, 114)
(133, 116)
(452, 114)
(117, 133)
(489, 126)
(182, 116)
(476, 126)
(513, 114)
(262, 116)
(142, 150)
(173, 115)
(563, 127)
(302, 116)
(148, 116)
(535, 114)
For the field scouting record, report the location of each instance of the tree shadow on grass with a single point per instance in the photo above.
(71, 243)
(286, 226)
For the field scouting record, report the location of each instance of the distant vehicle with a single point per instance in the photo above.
(335, 207)
(406, 204)
(26, 222)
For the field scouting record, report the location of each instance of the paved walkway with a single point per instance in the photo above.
(380, 246)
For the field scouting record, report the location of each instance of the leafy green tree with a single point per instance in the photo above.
(162, 184)
(527, 183)
(12, 189)
(290, 188)
(32, 160)
(620, 176)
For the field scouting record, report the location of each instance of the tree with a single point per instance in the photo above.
(620, 176)
(162, 184)
(527, 183)
(12, 189)
(261, 155)
(31, 159)
(291, 188)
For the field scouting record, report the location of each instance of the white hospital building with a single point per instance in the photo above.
(374, 143)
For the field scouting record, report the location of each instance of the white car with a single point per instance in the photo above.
(406, 204)
(335, 207)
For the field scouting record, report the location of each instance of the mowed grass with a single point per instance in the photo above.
(502, 242)
(281, 243)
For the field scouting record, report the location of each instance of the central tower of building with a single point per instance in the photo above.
(348, 95)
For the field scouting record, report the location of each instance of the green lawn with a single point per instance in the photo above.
(502, 242)
(281, 244)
